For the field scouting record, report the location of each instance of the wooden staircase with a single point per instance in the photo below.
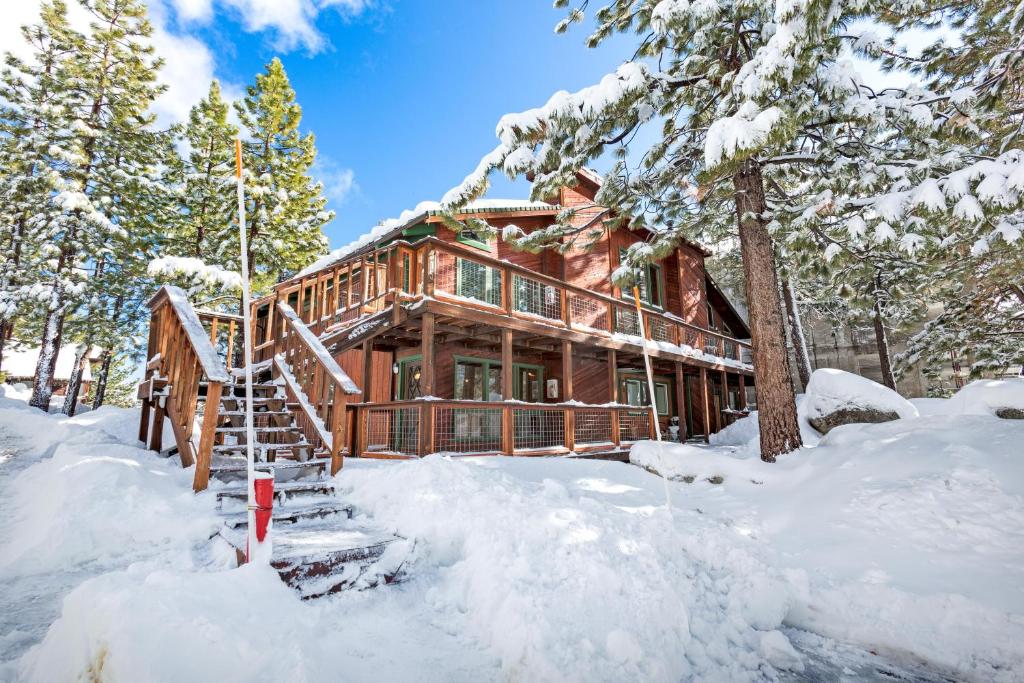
(319, 545)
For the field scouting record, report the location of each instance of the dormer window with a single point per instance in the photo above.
(650, 282)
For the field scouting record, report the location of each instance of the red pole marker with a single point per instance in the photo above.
(264, 506)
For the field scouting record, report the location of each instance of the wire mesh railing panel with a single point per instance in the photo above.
(627, 322)
(690, 338)
(660, 330)
(536, 298)
(593, 426)
(392, 430)
(467, 430)
(730, 348)
(585, 311)
(466, 278)
(711, 346)
(634, 425)
(537, 428)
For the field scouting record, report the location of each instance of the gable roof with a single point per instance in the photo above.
(393, 227)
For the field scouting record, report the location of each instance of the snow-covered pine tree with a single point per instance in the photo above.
(104, 146)
(285, 207)
(208, 184)
(30, 128)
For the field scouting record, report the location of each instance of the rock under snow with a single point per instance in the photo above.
(1000, 397)
(836, 397)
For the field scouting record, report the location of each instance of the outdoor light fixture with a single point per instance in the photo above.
(394, 368)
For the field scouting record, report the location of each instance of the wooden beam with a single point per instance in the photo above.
(209, 430)
(567, 387)
(367, 370)
(613, 377)
(506, 365)
(706, 395)
(681, 401)
(743, 392)
(427, 349)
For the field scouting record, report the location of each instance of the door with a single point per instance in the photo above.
(410, 370)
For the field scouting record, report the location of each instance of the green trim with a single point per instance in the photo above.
(420, 230)
(487, 364)
(641, 379)
(469, 241)
(402, 369)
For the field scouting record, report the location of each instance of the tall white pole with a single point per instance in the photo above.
(250, 460)
(650, 392)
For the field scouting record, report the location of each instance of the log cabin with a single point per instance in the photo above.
(427, 337)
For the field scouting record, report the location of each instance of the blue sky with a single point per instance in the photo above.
(404, 97)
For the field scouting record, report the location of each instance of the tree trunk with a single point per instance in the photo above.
(882, 338)
(776, 402)
(75, 381)
(49, 346)
(796, 331)
(101, 379)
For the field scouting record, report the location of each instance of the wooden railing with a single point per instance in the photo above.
(369, 283)
(315, 383)
(399, 429)
(225, 330)
(180, 357)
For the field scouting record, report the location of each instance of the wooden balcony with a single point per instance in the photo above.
(451, 279)
(404, 429)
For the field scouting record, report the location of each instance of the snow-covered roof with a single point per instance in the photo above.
(411, 217)
(20, 362)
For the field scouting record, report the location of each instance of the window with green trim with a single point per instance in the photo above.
(406, 272)
(651, 283)
(472, 238)
(479, 379)
(634, 390)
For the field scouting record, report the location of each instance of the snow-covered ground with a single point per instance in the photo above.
(904, 538)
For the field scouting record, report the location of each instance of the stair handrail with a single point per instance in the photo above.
(180, 356)
(315, 381)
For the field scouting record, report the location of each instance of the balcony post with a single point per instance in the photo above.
(507, 431)
(613, 376)
(743, 391)
(427, 350)
(367, 370)
(725, 398)
(506, 364)
(681, 400)
(707, 408)
(567, 384)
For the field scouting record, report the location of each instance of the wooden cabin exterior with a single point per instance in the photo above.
(462, 344)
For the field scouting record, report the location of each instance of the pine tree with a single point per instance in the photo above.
(102, 151)
(209, 198)
(285, 207)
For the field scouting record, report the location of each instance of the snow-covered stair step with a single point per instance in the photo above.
(258, 430)
(241, 413)
(285, 514)
(283, 492)
(233, 469)
(266, 447)
(331, 554)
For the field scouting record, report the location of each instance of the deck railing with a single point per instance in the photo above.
(226, 335)
(399, 429)
(315, 384)
(334, 297)
(181, 356)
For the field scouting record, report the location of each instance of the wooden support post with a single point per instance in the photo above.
(706, 396)
(147, 408)
(202, 476)
(427, 349)
(508, 443)
(567, 386)
(743, 392)
(156, 434)
(337, 428)
(613, 376)
(681, 401)
(725, 397)
(231, 343)
(506, 365)
(367, 370)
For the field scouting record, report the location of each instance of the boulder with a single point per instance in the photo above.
(1002, 398)
(835, 398)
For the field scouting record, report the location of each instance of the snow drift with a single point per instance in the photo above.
(831, 392)
(986, 396)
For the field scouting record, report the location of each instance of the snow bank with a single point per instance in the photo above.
(830, 390)
(145, 625)
(903, 536)
(87, 492)
(563, 584)
(745, 433)
(985, 396)
(927, 407)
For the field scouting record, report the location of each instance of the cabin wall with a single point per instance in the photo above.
(351, 362)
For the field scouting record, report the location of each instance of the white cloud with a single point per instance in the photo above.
(293, 21)
(339, 182)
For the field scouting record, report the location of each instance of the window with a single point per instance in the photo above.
(635, 392)
(649, 281)
(477, 281)
(479, 379)
(406, 272)
(409, 373)
(473, 239)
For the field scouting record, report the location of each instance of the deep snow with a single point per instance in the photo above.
(904, 537)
